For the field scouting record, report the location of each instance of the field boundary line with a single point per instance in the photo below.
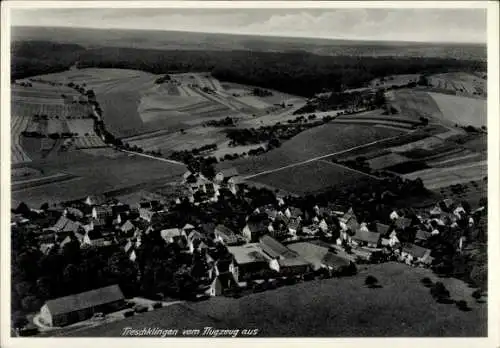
(153, 157)
(349, 168)
(323, 156)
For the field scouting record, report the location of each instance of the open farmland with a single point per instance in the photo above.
(460, 83)
(402, 307)
(311, 177)
(95, 174)
(17, 125)
(325, 140)
(435, 178)
(415, 104)
(462, 110)
(167, 141)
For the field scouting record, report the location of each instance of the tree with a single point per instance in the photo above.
(371, 281)
(44, 206)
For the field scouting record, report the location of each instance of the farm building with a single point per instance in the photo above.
(366, 238)
(249, 262)
(65, 225)
(225, 234)
(319, 256)
(290, 262)
(173, 235)
(74, 308)
(412, 252)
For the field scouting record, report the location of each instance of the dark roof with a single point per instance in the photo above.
(422, 235)
(318, 255)
(66, 225)
(275, 249)
(227, 235)
(382, 228)
(367, 236)
(403, 222)
(295, 212)
(416, 251)
(93, 298)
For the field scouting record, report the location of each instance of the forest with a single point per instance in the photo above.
(298, 73)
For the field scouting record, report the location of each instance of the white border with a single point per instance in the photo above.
(493, 175)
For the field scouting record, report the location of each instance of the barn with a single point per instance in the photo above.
(78, 307)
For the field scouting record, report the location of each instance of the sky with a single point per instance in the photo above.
(424, 25)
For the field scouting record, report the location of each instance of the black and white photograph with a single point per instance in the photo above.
(209, 171)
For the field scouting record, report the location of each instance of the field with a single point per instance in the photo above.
(436, 178)
(460, 83)
(310, 177)
(46, 108)
(414, 104)
(462, 110)
(342, 307)
(96, 174)
(315, 142)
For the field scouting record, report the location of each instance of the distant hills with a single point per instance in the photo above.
(175, 40)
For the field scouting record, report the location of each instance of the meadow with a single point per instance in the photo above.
(340, 307)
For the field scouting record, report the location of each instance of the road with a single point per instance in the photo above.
(322, 157)
(153, 157)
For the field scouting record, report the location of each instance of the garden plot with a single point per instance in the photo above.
(415, 104)
(88, 142)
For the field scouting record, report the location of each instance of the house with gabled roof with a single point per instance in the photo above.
(290, 262)
(319, 256)
(250, 262)
(226, 235)
(414, 253)
(173, 235)
(349, 221)
(65, 225)
(367, 238)
(70, 309)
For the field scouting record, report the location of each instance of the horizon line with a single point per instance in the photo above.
(259, 35)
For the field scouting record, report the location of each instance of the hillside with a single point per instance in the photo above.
(343, 307)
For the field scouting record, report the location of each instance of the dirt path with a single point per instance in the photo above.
(153, 157)
(321, 157)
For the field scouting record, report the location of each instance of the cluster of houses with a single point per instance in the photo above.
(278, 241)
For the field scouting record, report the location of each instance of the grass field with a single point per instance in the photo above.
(311, 177)
(462, 110)
(318, 141)
(342, 307)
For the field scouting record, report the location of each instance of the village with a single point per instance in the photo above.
(253, 241)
